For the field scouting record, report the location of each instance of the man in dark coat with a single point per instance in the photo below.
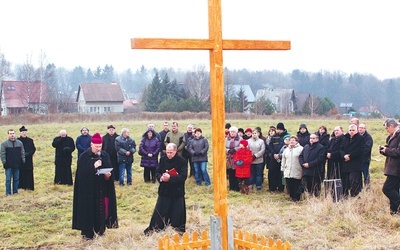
(312, 159)
(94, 204)
(333, 154)
(26, 172)
(392, 165)
(109, 147)
(170, 207)
(64, 146)
(352, 153)
(369, 142)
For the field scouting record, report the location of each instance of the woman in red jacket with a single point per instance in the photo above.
(242, 159)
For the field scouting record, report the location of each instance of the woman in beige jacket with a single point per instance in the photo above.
(291, 168)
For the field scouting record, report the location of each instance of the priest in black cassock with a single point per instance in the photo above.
(95, 204)
(170, 207)
(26, 180)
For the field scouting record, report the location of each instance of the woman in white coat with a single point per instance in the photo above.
(291, 168)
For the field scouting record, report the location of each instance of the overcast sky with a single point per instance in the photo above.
(342, 35)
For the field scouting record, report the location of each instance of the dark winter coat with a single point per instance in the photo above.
(355, 148)
(30, 149)
(89, 192)
(336, 160)
(109, 147)
(188, 137)
(392, 163)
(369, 142)
(198, 148)
(26, 172)
(315, 156)
(64, 147)
(123, 145)
(83, 143)
(176, 186)
(12, 154)
(149, 146)
(304, 138)
(324, 139)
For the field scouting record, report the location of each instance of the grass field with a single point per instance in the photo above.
(41, 219)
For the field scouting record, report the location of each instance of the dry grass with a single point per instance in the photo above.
(42, 218)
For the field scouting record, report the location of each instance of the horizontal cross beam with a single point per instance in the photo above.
(207, 44)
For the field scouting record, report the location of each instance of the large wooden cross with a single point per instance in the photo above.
(215, 44)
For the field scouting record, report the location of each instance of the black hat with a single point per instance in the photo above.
(302, 126)
(23, 129)
(227, 125)
(110, 126)
(280, 126)
(241, 130)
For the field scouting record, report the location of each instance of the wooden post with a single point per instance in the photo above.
(215, 44)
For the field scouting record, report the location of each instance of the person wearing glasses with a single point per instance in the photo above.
(352, 153)
(392, 152)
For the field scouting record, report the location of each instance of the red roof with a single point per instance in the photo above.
(101, 92)
(17, 94)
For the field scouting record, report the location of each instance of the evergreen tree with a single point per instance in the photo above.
(154, 94)
(263, 106)
(108, 74)
(90, 76)
(98, 75)
(242, 101)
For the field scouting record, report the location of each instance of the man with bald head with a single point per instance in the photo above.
(352, 153)
(64, 146)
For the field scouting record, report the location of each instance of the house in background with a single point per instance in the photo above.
(19, 97)
(248, 93)
(100, 98)
(284, 100)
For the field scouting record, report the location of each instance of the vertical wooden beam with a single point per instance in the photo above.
(218, 117)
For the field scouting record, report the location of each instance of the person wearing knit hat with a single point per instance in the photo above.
(303, 135)
(280, 126)
(231, 147)
(242, 160)
(26, 180)
(244, 143)
(96, 139)
(274, 169)
(247, 133)
(94, 200)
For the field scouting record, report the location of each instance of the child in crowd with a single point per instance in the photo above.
(242, 159)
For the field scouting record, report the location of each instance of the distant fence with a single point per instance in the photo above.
(241, 241)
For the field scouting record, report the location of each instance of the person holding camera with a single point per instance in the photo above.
(392, 171)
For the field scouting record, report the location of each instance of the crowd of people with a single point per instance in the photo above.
(297, 163)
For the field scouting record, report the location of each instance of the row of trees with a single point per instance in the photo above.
(190, 90)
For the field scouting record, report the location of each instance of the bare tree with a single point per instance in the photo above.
(198, 83)
(5, 67)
